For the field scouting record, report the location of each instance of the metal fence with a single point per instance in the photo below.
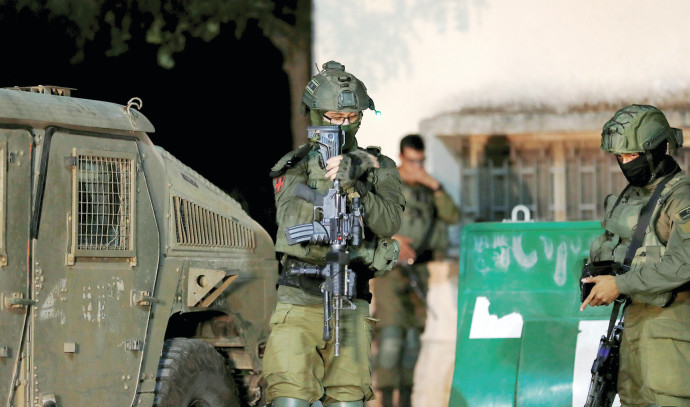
(491, 189)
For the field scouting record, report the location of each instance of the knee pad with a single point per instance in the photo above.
(390, 346)
(411, 348)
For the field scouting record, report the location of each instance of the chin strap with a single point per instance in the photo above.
(652, 169)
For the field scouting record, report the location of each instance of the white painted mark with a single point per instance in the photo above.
(49, 309)
(585, 352)
(486, 326)
(501, 255)
(559, 276)
(524, 260)
(548, 246)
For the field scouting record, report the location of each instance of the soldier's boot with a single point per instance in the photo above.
(289, 402)
(387, 396)
(405, 396)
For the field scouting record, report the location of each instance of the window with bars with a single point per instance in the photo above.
(103, 207)
(196, 226)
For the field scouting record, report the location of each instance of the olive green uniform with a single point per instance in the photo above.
(400, 311)
(298, 363)
(655, 347)
(656, 337)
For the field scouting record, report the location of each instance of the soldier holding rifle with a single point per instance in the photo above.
(401, 293)
(336, 215)
(646, 245)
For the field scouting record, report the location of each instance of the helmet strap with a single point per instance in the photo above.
(650, 161)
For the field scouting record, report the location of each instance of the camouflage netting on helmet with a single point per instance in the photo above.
(638, 128)
(334, 89)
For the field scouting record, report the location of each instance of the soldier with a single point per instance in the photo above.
(655, 347)
(299, 366)
(400, 294)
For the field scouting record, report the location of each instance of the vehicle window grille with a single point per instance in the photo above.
(200, 227)
(104, 206)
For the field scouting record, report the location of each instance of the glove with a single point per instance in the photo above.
(353, 165)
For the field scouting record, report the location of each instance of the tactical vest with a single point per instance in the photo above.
(620, 220)
(317, 180)
(419, 213)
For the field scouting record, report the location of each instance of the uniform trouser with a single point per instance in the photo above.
(401, 315)
(655, 355)
(299, 364)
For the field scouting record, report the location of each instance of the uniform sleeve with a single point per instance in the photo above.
(384, 204)
(445, 207)
(674, 268)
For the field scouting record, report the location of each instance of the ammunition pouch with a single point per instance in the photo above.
(379, 259)
(385, 256)
(599, 268)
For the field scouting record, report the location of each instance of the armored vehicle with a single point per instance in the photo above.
(126, 278)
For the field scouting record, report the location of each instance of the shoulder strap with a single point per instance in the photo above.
(299, 155)
(429, 230)
(374, 150)
(643, 221)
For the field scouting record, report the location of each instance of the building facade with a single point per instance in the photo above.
(549, 162)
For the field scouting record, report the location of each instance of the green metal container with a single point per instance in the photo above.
(521, 338)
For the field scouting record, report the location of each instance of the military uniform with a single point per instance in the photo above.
(401, 312)
(655, 348)
(299, 365)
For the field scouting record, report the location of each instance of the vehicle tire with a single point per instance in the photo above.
(191, 373)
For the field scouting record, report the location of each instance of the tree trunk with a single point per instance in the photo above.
(295, 44)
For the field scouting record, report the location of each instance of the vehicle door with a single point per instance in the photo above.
(15, 199)
(95, 262)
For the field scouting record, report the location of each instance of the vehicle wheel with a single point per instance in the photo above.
(191, 373)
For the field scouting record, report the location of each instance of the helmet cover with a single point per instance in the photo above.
(333, 89)
(636, 129)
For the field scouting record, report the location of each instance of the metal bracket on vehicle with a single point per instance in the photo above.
(142, 298)
(201, 282)
(16, 300)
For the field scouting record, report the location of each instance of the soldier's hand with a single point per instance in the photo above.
(604, 292)
(418, 176)
(349, 167)
(407, 253)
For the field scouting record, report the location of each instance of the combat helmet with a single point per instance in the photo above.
(334, 89)
(638, 129)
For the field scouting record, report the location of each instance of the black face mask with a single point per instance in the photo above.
(637, 171)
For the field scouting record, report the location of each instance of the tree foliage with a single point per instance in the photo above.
(168, 24)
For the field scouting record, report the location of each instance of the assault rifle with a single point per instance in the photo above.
(416, 284)
(603, 385)
(333, 225)
(604, 382)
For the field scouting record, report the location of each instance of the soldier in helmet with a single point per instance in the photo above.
(299, 366)
(400, 294)
(655, 347)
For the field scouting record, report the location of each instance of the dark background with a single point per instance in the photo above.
(223, 110)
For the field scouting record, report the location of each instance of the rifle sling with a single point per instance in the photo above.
(614, 316)
(640, 230)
